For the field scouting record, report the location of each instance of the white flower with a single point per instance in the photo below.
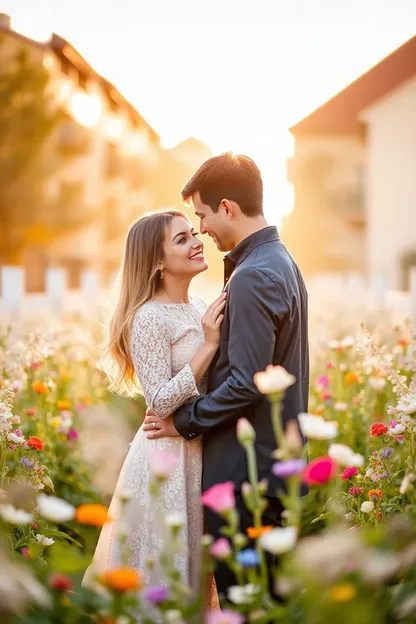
(173, 616)
(367, 507)
(242, 594)
(273, 380)
(174, 520)
(316, 428)
(245, 431)
(334, 344)
(45, 541)
(347, 342)
(408, 406)
(398, 429)
(12, 515)
(407, 481)
(377, 383)
(279, 540)
(341, 407)
(162, 464)
(55, 509)
(345, 456)
(12, 437)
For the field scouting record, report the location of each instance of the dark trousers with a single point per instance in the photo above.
(224, 578)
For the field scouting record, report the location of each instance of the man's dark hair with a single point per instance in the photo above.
(228, 176)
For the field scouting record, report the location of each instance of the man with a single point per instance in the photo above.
(265, 323)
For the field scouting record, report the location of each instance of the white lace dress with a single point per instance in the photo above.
(164, 339)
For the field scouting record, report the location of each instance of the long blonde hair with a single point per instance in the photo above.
(140, 279)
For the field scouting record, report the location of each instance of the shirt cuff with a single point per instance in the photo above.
(181, 422)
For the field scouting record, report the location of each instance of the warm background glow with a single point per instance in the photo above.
(234, 73)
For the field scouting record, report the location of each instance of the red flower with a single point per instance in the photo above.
(319, 471)
(36, 443)
(60, 582)
(349, 473)
(377, 429)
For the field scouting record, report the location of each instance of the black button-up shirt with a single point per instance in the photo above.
(265, 323)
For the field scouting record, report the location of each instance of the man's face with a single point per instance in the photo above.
(215, 224)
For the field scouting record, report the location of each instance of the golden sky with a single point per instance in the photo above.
(234, 73)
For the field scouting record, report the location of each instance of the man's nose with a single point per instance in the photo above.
(203, 230)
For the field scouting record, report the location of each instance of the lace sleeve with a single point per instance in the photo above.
(151, 354)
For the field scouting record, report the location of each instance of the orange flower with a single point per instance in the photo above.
(351, 378)
(36, 443)
(121, 579)
(63, 404)
(254, 533)
(319, 410)
(377, 493)
(93, 514)
(86, 400)
(40, 387)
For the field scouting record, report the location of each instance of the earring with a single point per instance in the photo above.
(161, 274)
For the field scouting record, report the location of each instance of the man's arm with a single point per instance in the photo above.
(254, 310)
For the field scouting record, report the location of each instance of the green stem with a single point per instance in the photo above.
(277, 422)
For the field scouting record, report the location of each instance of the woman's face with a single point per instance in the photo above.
(183, 251)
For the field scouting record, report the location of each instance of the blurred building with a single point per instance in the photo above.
(354, 176)
(112, 167)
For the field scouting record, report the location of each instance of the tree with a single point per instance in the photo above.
(28, 117)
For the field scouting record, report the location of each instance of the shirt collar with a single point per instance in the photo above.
(240, 253)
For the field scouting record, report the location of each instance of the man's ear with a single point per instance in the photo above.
(228, 207)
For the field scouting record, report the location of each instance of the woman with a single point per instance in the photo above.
(167, 340)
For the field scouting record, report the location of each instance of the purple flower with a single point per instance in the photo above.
(27, 463)
(248, 558)
(156, 594)
(385, 453)
(72, 434)
(288, 468)
(18, 432)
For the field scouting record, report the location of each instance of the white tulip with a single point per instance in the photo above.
(367, 507)
(279, 540)
(316, 428)
(274, 380)
(55, 509)
(10, 514)
(345, 456)
(45, 541)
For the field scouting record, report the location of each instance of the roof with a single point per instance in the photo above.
(340, 114)
(63, 48)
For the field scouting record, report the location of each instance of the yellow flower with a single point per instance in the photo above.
(343, 592)
(121, 579)
(55, 422)
(63, 404)
(93, 514)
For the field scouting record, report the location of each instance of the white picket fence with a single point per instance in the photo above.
(325, 291)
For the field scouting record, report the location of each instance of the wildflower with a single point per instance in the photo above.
(55, 509)
(162, 464)
(60, 583)
(367, 507)
(93, 514)
(254, 532)
(72, 434)
(319, 471)
(248, 558)
(220, 549)
(36, 443)
(274, 380)
(40, 387)
(377, 429)
(351, 378)
(289, 468)
(355, 491)
(121, 579)
(398, 428)
(322, 382)
(17, 439)
(316, 428)
(63, 404)
(377, 383)
(341, 407)
(243, 594)
(349, 473)
(10, 514)
(375, 494)
(387, 452)
(44, 541)
(25, 553)
(345, 456)
(30, 411)
(406, 482)
(174, 520)
(343, 592)
(224, 616)
(408, 406)
(245, 431)
(55, 422)
(220, 497)
(279, 540)
(156, 594)
(329, 365)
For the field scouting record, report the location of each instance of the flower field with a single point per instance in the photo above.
(346, 552)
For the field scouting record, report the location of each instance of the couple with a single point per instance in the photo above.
(195, 364)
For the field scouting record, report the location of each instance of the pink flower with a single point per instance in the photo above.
(25, 552)
(329, 364)
(399, 438)
(322, 382)
(319, 471)
(162, 464)
(355, 491)
(220, 549)
(224, 617)
(13, 447)
(220, 497)
(35, 365)
(349, 473)
(72, 434)
(393, 423)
